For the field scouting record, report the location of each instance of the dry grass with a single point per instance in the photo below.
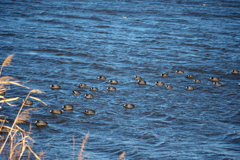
(15, 142)
(18, 142)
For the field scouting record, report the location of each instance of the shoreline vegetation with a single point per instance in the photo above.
(15, 142)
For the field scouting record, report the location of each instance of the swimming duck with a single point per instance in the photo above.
(159, 83)
(2, 91)
(67, 107)
(111, 88)
(124, 16)
(88, 96)
(76, 92)
(55, 86)
(93, 89)
(214, 78)
(168, 87)
(142, 82)
(89, 112)
(55, 111)
(102, 77)
(235, 71)
(137, 78)
(164, 75)
(217, 83)
(40, 123)
(27, 102)
(180, 71)
(113, 81)
(190, 76)
(196, 81)
(189, 88)
(82, 85)
(128, 106)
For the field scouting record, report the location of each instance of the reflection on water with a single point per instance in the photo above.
(68, 43)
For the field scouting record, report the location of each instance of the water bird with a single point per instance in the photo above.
(214, 78)
(189, 88)
(55, 86)
(93, 89)
(89, 112)
(180, 71)
(76, 92)
(168, 87)
(190, 76)
(55, 111)
(111, 81)
(137, 78)
(124, 16)
(128, 106)
(217, 83)
(82, 85)
(67, 107)
(2, 91)
(111, 88)
(27, 102)
(40, 123)
(102, 77)
(196, 81)
(164, 75)
(88, 96)
(235, 71)
(142, 82)
(159, 83)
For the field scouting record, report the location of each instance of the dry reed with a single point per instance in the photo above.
(18, 142)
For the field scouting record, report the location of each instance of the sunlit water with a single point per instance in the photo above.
(73, 42)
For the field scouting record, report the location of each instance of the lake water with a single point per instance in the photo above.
(70, 42)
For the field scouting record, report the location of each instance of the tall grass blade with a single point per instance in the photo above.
(80, 155)
(6, 62)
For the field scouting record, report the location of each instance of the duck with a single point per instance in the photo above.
(128, 106)
(89, 112)
(55, 111)
(67, 107)
(217, 83)
(168, 87)
(40, 123)
(190, 76)
(88, 96)
(102, 77)
(235, 71)
(55, 86)
(76, 92)
(137, 78)
(142, 82)
(189, 88)
(111, 81)
(196, 81)
(159, 83)
(164, 75)
(124, 16)
(27, 102)
(111, 88)
(93, 89)
(214, 78)
(82, 85)
(180, 71)
(2, 91)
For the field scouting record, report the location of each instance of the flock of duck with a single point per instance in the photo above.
(111, 88)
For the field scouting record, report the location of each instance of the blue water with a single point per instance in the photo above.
(72, 42)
